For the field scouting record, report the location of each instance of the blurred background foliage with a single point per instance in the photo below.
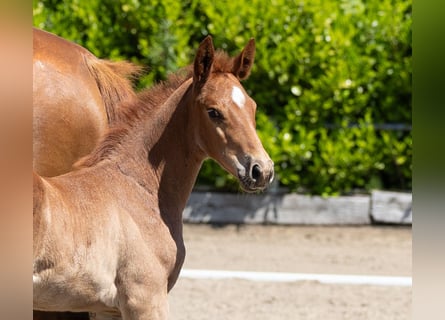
(332, 78)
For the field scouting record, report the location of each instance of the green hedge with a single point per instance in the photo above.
(326, 72)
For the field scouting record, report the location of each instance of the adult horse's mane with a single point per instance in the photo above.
(148, 100)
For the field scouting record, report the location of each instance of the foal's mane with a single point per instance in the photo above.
(135, 109)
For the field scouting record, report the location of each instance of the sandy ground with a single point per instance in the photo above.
(333, 250)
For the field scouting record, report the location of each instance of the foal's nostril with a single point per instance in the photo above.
(256, 172)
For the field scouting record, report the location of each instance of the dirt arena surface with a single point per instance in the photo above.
(382, 251)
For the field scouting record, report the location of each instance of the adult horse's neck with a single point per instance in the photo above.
(168, 157)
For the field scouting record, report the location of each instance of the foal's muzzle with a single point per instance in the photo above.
(258, 175)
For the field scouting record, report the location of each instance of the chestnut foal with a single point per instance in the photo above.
(108, 236)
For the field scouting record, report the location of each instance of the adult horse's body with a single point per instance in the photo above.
(75, 97)
(108, 237)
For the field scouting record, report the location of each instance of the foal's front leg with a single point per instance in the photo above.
(154, 307)
(106, 316)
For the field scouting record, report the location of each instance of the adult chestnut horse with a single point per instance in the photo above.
(75, 97)
(108, 236)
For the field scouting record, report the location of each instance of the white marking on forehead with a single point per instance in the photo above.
(238, 97)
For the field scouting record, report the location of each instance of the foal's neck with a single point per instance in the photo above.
(170, 158)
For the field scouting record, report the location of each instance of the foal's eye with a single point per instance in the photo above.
(215, 114)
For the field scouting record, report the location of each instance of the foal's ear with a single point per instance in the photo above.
(203, 61)
(244, 61)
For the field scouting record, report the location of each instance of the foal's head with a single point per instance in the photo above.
(226, 115)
